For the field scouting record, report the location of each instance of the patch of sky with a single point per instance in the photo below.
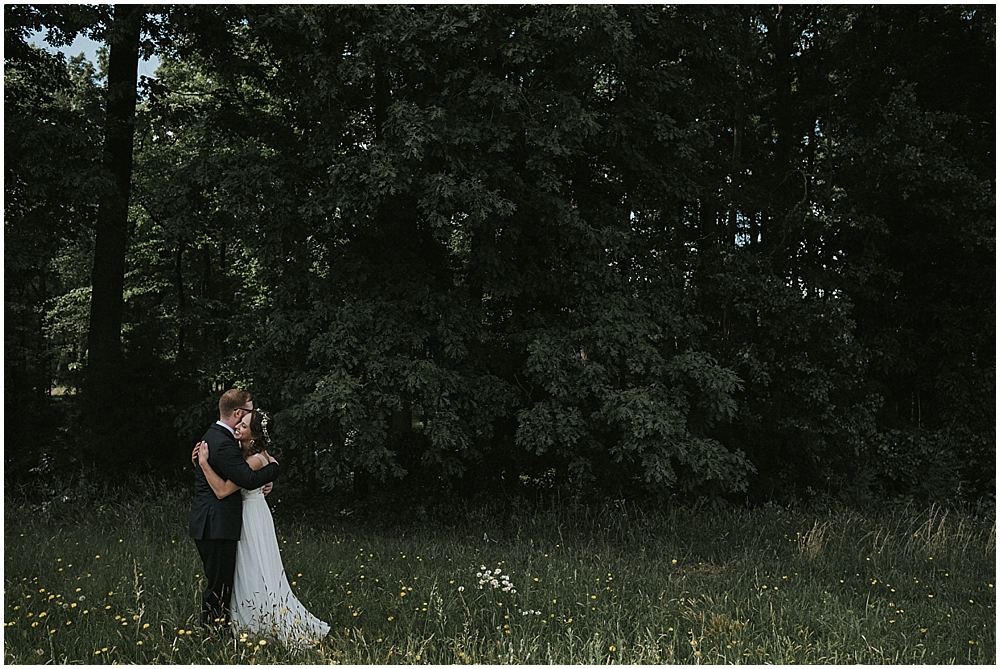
(87, 47)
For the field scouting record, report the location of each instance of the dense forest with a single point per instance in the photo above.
(714, 252)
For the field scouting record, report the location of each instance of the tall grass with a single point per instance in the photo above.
(119, 581)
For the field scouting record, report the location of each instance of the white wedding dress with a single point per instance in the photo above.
(262, 602)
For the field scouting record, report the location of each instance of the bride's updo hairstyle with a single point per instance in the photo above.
(260, 421)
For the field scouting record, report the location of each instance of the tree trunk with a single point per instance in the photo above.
(181, 303)
(108, 276)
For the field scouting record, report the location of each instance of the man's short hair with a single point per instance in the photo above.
(232, 400)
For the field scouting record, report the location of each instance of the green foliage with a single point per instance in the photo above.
(721, 251)
(49, 185)
(923, 464)
(926, 195)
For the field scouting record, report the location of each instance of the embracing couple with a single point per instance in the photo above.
(232, 527)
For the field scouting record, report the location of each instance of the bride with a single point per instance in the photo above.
(262, 601)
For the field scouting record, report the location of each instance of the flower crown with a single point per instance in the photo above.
(264, 419)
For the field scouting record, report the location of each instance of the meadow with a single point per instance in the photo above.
(117, 581)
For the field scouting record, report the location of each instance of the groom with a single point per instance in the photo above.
(216, 524)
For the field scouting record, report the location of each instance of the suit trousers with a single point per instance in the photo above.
(219, 558)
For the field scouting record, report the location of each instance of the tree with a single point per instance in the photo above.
(50, 175)
(105, 379)
(431, 234)
(915, 124)
(634, 250)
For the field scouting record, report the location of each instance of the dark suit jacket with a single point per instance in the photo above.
(214, 518)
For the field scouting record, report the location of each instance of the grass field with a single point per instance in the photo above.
(118, 582)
